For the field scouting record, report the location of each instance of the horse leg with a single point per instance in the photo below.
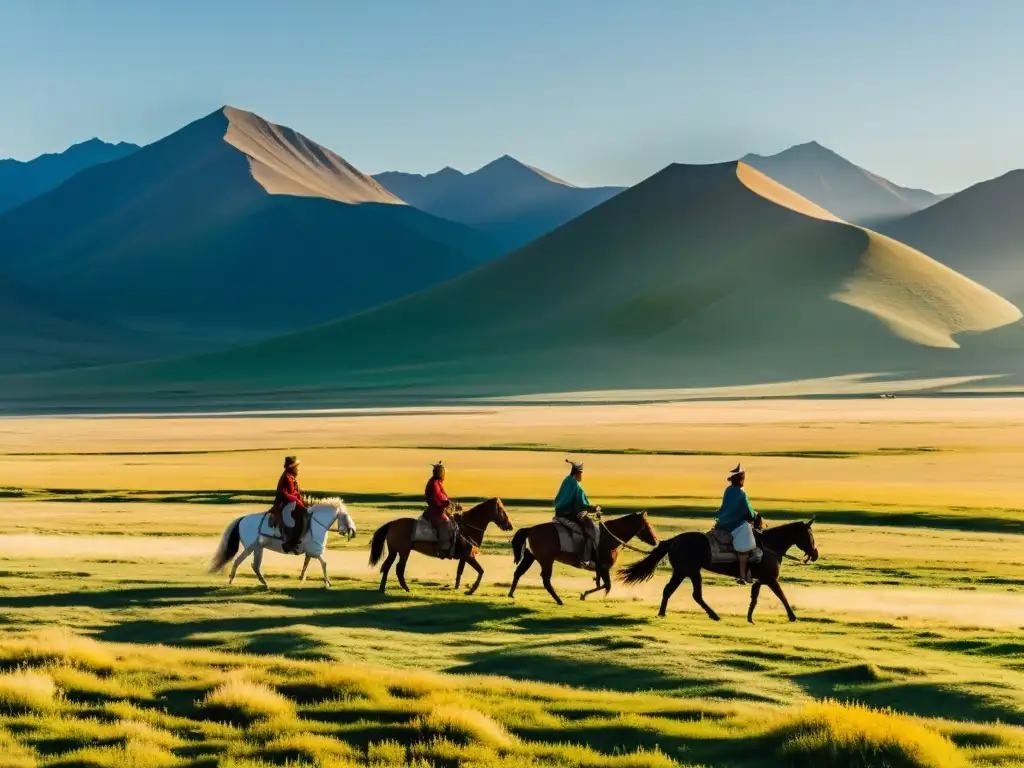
(403, 558)
(775, 587)
(670, 588)
(607, 585)
(754, 591)
(698, 595)
(305, 565)
(479, 574)
(459, 570)
(385, 567)
(524, 566)
(257, 566)
(323, 567)
(239, 560)
(546, 570)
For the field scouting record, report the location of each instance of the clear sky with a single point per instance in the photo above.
(926, 92)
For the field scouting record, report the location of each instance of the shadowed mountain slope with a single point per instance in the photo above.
(511, 201)
(699, 276)
(22, 181)
(979, 232)
(231, 228)
(836, 184)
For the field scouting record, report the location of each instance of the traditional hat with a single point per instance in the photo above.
(577, 466)
(438, 467)
(737, 471)
(291, 461)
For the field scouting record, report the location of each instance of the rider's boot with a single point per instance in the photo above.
(744, 570)
(587, 560)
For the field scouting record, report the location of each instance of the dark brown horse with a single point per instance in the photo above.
(545, 549)
(398, 535)
(690, 552)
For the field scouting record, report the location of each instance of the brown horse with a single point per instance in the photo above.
(545, 549)
(690, 552)
(472, 524)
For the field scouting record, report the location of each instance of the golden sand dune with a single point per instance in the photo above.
(919, 299)
(285, 162)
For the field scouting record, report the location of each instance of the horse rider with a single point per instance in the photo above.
(571, 502)
(737, 517)
(289, 501)
(438, 507)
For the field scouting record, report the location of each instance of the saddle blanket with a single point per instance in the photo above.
(425, 530)
(721, 548)
(571, 535)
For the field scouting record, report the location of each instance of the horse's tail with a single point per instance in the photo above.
(377, 545)
(229, 544)
(518, 543)
(642, 570)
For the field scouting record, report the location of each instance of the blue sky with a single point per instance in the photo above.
(599, 92)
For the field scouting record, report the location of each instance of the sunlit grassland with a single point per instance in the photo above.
(908, 651)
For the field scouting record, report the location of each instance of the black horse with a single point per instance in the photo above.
(690, 553)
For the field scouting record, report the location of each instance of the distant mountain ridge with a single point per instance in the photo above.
(838, 185)
(700, 276)
(20, 181)
(978, 232)
(508, 199)
(230, 229)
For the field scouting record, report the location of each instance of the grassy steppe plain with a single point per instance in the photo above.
(116, 649)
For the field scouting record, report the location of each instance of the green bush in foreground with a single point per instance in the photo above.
(852, 736)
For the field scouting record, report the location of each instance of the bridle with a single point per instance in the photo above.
(621, 542)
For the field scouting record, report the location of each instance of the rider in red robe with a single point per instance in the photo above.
(288, 492)
(438, 504)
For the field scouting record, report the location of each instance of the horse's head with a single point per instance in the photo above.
(500, 517)
(343, 523)
(805, 540)
(646, 533)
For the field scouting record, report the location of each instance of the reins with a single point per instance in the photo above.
(621, 542)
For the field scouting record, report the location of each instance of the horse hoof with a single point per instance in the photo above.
(716, 617)
(583, 596)
(661, 614)
(792, 618)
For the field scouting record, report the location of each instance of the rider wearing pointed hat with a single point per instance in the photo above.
(438, 511)
(572, 502)
(289, 501)
(736, 516)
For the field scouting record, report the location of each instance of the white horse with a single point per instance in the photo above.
(256, 533)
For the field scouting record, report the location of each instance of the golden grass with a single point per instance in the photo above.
(27, 691)
(245, 701)
(463, 724)
(831, 733)
(56, 644)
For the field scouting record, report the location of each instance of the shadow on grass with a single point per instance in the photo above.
(596, 673)
(865, 684)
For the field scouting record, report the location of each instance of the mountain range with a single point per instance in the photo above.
(837, 185)
(234, 247)
(229, 229)
(21, 181)
(785, 285)
(509, 200)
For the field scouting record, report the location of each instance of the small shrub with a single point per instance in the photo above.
(463, 725)
(241, 701)
(26, 691)
(385, 753)
(853, 736)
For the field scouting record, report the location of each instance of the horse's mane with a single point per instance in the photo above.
(333, 501)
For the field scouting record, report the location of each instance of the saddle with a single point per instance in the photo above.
(721, 548)
(571, 536)
(426, 532)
